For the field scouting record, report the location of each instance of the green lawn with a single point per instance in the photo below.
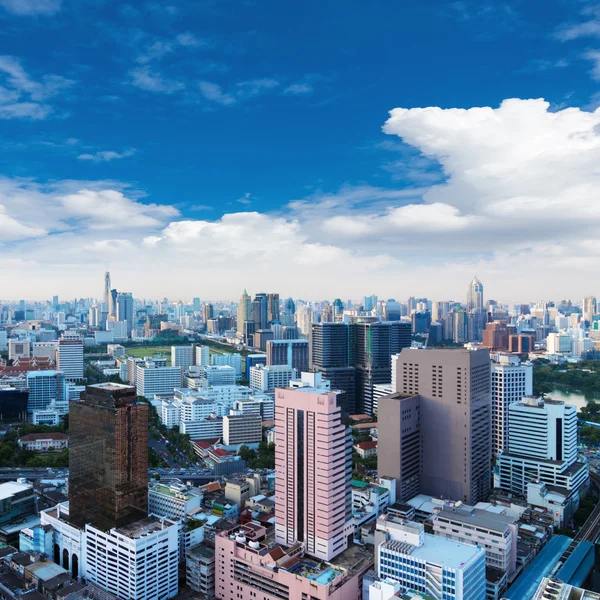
(148, 350)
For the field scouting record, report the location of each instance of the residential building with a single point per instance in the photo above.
(511, 381)
(132, 364)
(313, 501)
(108, 460)
(428, 564)
(44, 442)
(242, 429)
(400, 454)
(116, 350)
(200, 570)
(454, 413)
(152, 379)
(330, 355)
(542, 446)
(266, 379)
(293, 353)
(69, 356)
(374, 345)
(182, 356)
(175, 501)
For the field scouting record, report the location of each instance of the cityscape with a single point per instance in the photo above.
(280, 448)
(298, 300)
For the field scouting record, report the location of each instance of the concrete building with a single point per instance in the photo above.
(200, 570)
(559, 343)
(590, 308)
(202, 356)
(253, 360)
(454, 412)
(204, 429)
(45, 350)
(495, 336)
(46, 387)
(229, 360)
(44, 442)
(266, 379)
(125, 311)
(427, 563)
(542, 446)
(18, 348)
(218, 374)
(399, 449)
(242, 429)
(244, 313)
(262, 406)
(293, 353)
(313, 501)
(511, 381)
(370, 500)
(174, 501)
(152, 379)
(69, 357)
(182, 356)
(18, 502)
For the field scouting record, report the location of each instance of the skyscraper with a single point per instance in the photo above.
(108, 457)
(293, 353)
(260, 310)
(312, 483)
(590, 308)
(330, 355)
(125, 309)
(475, 309)
(107, 291)
(243, 313)
(371, 348)
(455, 419)
(112, 303)
(273, 308)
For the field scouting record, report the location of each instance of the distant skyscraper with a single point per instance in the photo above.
(312, 485)
(112, 303)
(107, 291)
(69, 356)
(108, 457)
(293, 353)
(273, 308)
(589, 308)
(260, 310)
(243, 313)
(475, 309)
(125, 309)
(370, 302)
(208, 312)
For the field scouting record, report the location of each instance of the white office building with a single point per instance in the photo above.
(219, 374)
(511, 381)
(559, 343)
(256, 405)
(205, 429)
(266, 379)
(202, 356)
(542, 445)
(230, 360)
(182, 356)
(18, 348)
(151, 379)
(174, 501)
(427, 563)
(45, 350)
(69, 356)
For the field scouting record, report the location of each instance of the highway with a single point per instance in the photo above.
(591, 528)
(10, 474)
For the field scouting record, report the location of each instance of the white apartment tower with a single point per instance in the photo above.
(182, 356)
(69, 356)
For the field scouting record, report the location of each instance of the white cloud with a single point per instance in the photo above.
(189, 40)
(594, 57)
(589, 27)
(11, 229)
(214, 93)
(254, 87)
(106, 155)
(150, 80)
(31, 7)
(299, 89)
(245, 199)
(23, 97)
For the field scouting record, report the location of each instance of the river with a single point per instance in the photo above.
(576, 398)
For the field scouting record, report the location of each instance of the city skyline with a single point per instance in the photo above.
(119, 153)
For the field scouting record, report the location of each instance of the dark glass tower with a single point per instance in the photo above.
(108, 457)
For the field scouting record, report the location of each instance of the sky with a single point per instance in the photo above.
(319, 149)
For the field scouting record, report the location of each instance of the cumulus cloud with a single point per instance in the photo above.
(214, 93)
(151, 80)
(31, 7)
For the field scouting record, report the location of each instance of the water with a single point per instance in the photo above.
(576, 398)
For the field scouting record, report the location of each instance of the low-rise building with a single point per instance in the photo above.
(242, 429)
(174, 501)
(44, 442)
(200, 570)
(366, 449)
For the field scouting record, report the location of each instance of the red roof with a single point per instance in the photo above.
(220, 452)
(366, 445)
(365, 425)
(205, 444)
(32, 437)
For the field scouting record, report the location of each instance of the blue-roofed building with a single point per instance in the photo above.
(528, 582)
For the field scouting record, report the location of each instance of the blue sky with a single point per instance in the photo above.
(244, 141)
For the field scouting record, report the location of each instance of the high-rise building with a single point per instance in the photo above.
(421, 320)
(590, 308)
(304, 319)
(260, 310)
(153, 378)
(372, 346)
(542, 445)
(94, 316)
(495, 336)
(370, 302)
(293, 353)
(208, 313)
(392, 310)
(69, 356)
(511, 381)
(313, 472)
(112, 303)
(476, 309)
(202, 356)
(46, 387)
(267, 379)
(253, 360)
(244, 313)
(107, 291)
(330, 355)
(273, 308)
(455, 419)
(261, 337)
(125, 309)
(108, 457)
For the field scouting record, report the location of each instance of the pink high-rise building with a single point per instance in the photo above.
(313, 463)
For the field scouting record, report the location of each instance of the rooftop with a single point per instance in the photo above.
(12, 487)
(32, 437)
(370, 445)
(144, 527)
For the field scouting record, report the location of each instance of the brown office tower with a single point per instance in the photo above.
(495, 336)
(108, 457)
(455, 408)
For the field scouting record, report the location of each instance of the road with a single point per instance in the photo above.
(10, 474)
(591, 528)
(161, 448)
